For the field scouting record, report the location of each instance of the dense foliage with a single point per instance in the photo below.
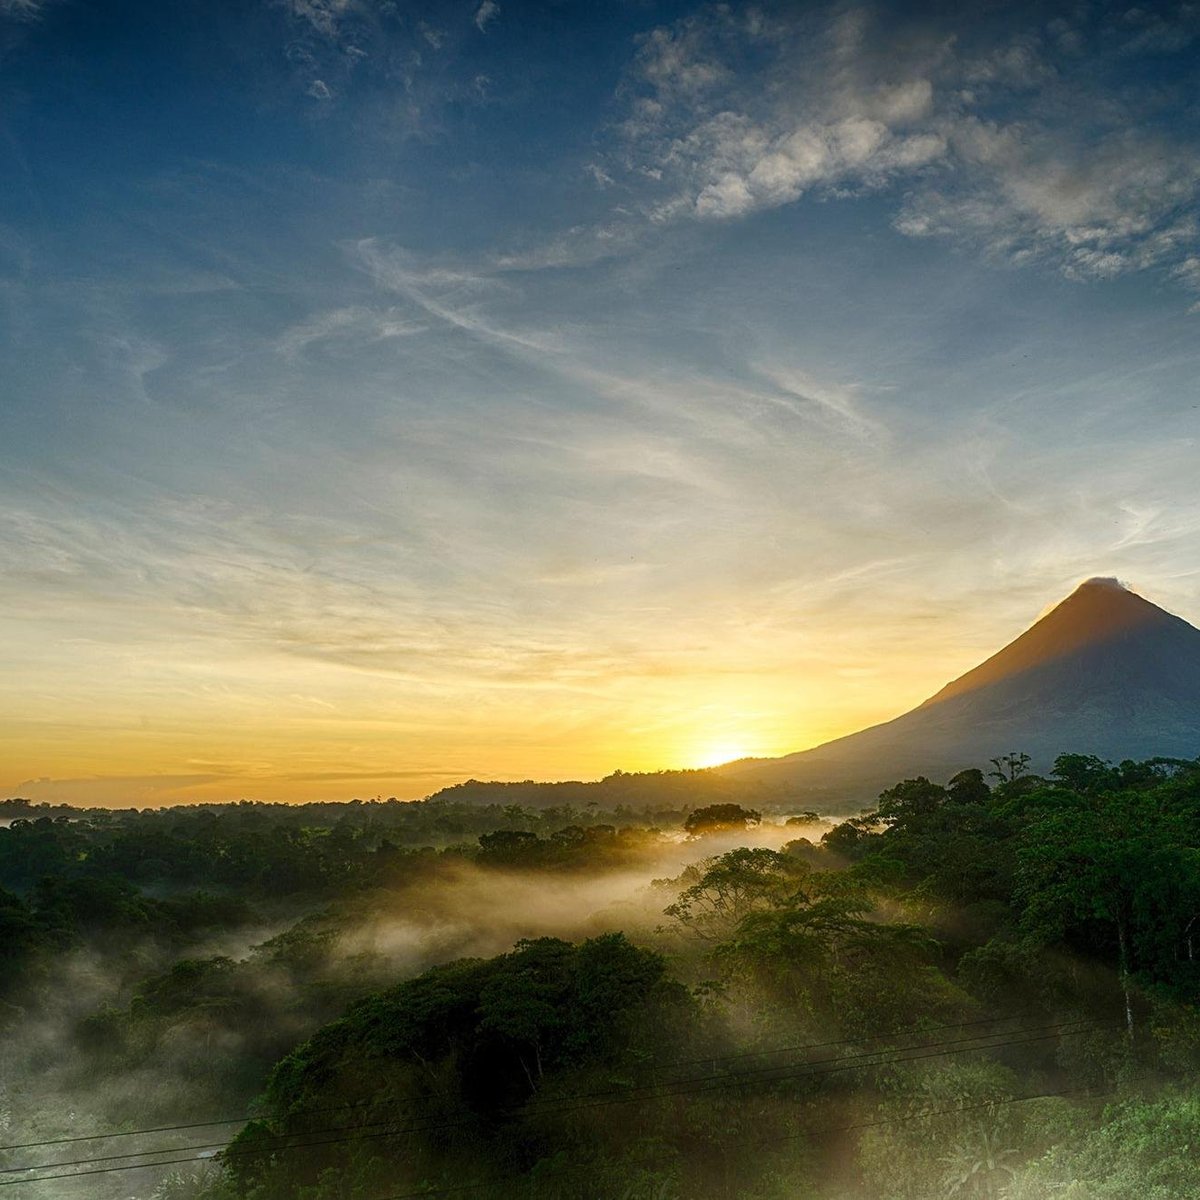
(983, 988)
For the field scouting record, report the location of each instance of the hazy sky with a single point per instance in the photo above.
(398, 392)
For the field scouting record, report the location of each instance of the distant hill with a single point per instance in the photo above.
(674, 790)
(1105, 672)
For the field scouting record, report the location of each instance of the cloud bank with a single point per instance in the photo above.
(1019, 150)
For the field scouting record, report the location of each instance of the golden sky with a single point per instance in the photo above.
(395, 401)
(167, 717)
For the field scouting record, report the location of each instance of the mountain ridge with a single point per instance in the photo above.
(1103, 672)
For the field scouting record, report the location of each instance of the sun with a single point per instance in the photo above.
(721, 752)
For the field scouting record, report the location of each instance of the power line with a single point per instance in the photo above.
(937, 1112)
(560, 1104)
(714, 1084)
(976, 1041)
(874, 1037)
(933, 1112)
(706, 1058)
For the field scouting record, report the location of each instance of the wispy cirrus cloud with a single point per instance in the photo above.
(728, 141)
(404, 67)
(351, 325)
(1121, 203)
(1017, 149)
(485, 14)
(412, 432)
(326, 17)
(24, 10)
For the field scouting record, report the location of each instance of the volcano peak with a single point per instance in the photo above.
(1097, 611)
(1103, 672)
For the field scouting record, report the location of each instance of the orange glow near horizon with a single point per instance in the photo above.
(338, 735)
(366, 429)
(156, 717)
(724, 751)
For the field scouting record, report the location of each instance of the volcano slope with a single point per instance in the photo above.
(1105, 673)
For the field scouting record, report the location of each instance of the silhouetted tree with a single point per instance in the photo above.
(720, 817)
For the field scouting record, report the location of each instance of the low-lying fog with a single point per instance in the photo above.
(479, 912)
(48, 1089)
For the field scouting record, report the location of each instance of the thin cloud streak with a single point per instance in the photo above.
(368, 436)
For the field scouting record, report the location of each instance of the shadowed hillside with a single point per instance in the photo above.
(667, 790)
(1105, 671)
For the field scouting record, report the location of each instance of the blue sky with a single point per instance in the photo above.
(399, 392)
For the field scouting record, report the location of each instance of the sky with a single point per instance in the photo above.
(396, 393)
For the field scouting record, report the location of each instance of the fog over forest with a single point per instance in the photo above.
(599, 600)
(980, 989)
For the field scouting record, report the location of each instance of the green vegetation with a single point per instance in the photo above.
(980, 989)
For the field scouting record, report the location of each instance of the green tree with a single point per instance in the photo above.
(1111, 871)
(724, 890)
(720, 818)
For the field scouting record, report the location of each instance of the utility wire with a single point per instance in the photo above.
(559, 1104)
(706, 1058)
(874, 1037)
(920, 1116)
(724, 1081)
(976, 1041)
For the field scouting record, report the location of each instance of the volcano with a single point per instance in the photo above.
(1105, 673)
